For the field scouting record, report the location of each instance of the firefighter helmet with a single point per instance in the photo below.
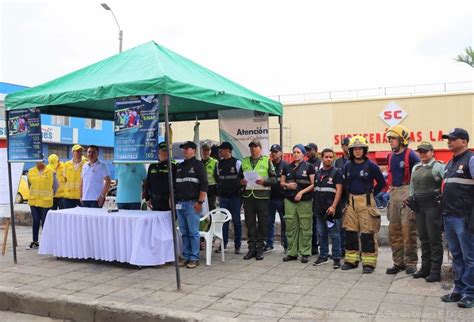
(358, 141)
(400, 132)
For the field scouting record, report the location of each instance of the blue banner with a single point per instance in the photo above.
(136, 129)
(24, 135)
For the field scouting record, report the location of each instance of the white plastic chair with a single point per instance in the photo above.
(218, 216)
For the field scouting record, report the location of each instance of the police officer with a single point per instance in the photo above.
(425, 189)
(157, 191)
(458, 217)
(211, 165)
(191, 189)
(228, 180)
(298, 181)
(402, 225)
(327, 195)
(361, 215)
(312, 158)
(256, 198)
(276, 203)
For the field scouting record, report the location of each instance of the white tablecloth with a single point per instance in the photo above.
(142, 238)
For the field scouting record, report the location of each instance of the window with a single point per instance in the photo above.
(60, 150)
(60, 120)
(93, 124)
(106, 153)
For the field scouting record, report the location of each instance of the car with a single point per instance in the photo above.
(23, 191)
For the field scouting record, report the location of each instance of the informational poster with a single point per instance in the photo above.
(239, 127)
(24, 130)
(136, 129)
(17, 169)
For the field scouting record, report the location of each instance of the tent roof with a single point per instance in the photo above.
(195, 91)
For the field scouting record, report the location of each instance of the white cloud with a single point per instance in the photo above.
(271, 47)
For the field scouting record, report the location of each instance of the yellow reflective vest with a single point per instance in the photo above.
(59, 171)
(72, 176)
(210, 165)
(41, 187)
(262, 168)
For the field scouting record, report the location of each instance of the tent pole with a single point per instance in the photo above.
(165, 100)
(280, 121)
(12, 212)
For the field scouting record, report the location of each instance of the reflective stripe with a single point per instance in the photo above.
(352, 256)
(228, 177)
(325, 189)
(303, 181)
(187, 179)
(469, 182)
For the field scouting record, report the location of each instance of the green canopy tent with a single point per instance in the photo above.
(187, 91)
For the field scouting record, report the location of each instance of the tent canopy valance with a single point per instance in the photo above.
(195, 91)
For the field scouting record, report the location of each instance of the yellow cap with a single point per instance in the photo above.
(76, 147)
(53, 160)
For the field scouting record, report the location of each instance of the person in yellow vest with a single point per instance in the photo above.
(72, 178)
(256, 196)
(43, 184)
(58, 168)
(210, 164)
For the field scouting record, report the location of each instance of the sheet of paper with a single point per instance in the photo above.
(251, 177)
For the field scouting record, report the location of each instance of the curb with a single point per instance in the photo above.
(67, 307)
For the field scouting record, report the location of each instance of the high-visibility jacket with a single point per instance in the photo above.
(210, 165)
(59, 171)
(262, 167)
(72, 175)
(41, 187)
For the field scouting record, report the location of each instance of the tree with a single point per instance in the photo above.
(467, 57)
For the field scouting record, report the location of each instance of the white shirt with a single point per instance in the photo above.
(93, 179)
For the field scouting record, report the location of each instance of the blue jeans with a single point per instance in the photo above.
(274, 205)
(39, 217)
(233, 204)
(188, 220)
(324, 234)
(461, 246)
(129, 205)
(315, 238)
(90, 204)
(382, 198)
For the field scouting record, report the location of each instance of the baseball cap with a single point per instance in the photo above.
(426, 146)
(188, 144)
(206, 145)
(275, 148)
(311, 146)
(225, 145)
(162, 145)
(345, 141)
(76, 147)
(255, 142)
(457, 133)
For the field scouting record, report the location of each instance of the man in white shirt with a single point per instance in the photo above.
(95, 180)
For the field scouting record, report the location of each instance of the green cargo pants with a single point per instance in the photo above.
(299, 227)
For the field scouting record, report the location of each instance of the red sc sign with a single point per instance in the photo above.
(389, 115)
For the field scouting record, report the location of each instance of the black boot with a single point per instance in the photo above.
(422, 273)
(289, 258)
(394, 269)
(259, 255)
(433, 277)
(250, 254)
(347, 266)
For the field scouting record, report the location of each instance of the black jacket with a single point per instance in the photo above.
(191, 179)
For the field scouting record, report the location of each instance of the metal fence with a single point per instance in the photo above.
(408, 90)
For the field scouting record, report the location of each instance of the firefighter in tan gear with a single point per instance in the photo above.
(361, 216)
(402, 225)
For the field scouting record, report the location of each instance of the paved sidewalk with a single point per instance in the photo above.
(269, 289)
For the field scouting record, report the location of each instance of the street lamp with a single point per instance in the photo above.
(106, 7)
